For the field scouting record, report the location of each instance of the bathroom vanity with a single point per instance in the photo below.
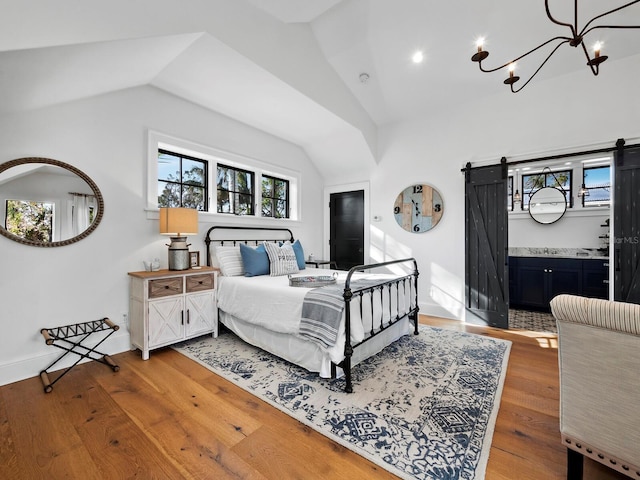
(536, 275)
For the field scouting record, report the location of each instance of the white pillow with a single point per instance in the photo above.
(230, 261)
(282, 259)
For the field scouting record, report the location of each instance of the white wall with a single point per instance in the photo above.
(573, 230)
(572, 113)
(106, 138)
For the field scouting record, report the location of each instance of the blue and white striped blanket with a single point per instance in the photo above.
(322, 311)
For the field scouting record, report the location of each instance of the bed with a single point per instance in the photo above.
(326, 329)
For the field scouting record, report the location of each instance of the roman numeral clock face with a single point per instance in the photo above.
(418, 208)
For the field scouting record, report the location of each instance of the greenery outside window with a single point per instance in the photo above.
(182, 173)
(275, 197)
(235, 188)
(30, 220)
(182, 181)
(597, 182)
(533, 182)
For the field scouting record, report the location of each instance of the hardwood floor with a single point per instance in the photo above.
(171, 418)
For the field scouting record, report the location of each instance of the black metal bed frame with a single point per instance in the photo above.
(348, 294)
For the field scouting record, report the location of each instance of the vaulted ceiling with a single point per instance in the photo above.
(289, 67)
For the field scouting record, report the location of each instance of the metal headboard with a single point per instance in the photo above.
(235, 241)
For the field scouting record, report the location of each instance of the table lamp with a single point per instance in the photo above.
(178, 223)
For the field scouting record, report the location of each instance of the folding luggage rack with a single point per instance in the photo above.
(61, 337)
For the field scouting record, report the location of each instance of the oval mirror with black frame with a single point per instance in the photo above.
(47, 203)
(547, 205)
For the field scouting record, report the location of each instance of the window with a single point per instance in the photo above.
(182, 181)
(597, 182)
(235, 190)
(30, 220)
(275, 197)
(534, 182)
(217, 182)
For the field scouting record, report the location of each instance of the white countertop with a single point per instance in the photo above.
(557, 252)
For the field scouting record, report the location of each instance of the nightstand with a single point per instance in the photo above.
(168, 306)
(317, 263)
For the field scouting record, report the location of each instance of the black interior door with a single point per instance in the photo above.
(626, 224)
(486, 239)
(346, 224)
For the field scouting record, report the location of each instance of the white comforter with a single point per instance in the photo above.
(271, 303)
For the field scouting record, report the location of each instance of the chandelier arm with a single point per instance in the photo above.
(540, 67)
(586, 28)
(608, 26)
(564, 40)
(557, 22)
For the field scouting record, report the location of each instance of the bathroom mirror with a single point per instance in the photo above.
(547, 205)
(47, 203)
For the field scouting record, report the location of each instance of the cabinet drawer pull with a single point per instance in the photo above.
(605, 264)
(605, 281)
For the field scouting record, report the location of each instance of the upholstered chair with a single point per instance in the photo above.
(599, 360)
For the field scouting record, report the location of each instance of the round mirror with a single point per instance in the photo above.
(47, 203)
(547, 205)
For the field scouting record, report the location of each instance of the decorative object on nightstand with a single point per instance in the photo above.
(166, 307)
(178, 223)
(194, 259)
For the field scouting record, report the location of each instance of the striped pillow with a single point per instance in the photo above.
(282, 259)
(230, 261)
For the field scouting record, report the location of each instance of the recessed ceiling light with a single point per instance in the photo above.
(418, 57)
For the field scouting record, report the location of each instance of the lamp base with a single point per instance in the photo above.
(179, 254)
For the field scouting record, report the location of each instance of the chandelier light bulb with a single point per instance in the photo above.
(512, 78)
(418, 57)
(596, 49)
(480, 43)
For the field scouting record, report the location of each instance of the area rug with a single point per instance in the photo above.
(423, 408)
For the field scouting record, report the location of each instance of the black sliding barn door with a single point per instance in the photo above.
(626, 224)
(487, 293)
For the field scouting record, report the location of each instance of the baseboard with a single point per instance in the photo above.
(31, 367)
(435, 310)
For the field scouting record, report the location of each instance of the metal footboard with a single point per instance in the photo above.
(405, 283)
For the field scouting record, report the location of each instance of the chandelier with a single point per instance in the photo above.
(575, 40)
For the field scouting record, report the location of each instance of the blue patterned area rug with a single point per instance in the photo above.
(423, 408)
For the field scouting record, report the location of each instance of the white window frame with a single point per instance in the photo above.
(157, 140)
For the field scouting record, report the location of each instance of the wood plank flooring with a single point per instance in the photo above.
(170, 418)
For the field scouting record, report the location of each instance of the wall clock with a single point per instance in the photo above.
(418, 208)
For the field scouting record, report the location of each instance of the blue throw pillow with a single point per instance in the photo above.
(297, 249)
(255, 260)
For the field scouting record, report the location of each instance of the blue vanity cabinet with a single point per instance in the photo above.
(539, 279)
(595, 278)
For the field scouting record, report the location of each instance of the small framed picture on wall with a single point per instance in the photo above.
(194, 258)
